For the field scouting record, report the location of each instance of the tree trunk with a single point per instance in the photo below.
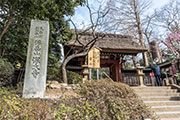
(140, 32)
(64, 72)
(149, 49)
(7, 23)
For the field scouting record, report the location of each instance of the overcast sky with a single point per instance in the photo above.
(81, 15)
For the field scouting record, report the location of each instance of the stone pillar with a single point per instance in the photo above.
(140, 75)
(90, 73)
(97, 73)
(36, 62)
(85, 72)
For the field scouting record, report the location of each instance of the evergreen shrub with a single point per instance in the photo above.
(115, 101)
(6, 72)
(54, 73)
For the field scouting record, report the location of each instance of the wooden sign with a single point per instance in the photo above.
(94, 58)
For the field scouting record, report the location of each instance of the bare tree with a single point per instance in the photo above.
(125, 17)
(149, 32)
(95, 24)
(168, 17)
(168, 21)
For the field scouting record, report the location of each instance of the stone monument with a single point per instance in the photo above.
(36, 62)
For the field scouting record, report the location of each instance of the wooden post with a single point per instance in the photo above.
(120, 68)
(120, 73)
(117, 72)
(111, 72)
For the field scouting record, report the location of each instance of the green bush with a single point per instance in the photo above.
(97, 100)
(103, 100)
(6, 72)
(54, 73)
(115, 101)
(73, 109)
(13, 107)
(10, 105)
(73, 78)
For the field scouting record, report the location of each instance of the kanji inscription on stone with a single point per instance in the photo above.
(36, 62)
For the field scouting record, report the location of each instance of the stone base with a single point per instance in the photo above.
(28, 94)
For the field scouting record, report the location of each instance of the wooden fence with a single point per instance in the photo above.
(130, 77)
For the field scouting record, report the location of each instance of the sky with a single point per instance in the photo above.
(81, 16)
(159, 3)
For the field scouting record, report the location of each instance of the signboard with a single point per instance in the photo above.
(94, 58)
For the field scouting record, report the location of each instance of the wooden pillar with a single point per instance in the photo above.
(120, 73)
(120, 68)
(111, 72)
(117, 72)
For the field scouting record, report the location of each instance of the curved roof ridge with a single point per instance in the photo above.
(114, 42)
(89, 32)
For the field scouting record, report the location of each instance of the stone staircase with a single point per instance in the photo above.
(164, 101)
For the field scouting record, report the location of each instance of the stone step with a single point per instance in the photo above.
(160, 98)
(169, 118)
(168, 115)
(165, 108)
(151, 87)
(157, 94)
(155, 90)
(162, 103)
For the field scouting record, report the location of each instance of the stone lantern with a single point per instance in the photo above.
(140, 74)
(85, 72)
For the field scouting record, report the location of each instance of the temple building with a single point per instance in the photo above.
(113, 48)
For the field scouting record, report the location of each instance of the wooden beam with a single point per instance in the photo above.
(105, 65)
(81, 59)
(124, 51)
(74, 67)
(108, 61)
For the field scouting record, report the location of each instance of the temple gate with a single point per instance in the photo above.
(113, 48)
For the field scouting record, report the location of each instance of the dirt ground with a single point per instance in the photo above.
(57, 90)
